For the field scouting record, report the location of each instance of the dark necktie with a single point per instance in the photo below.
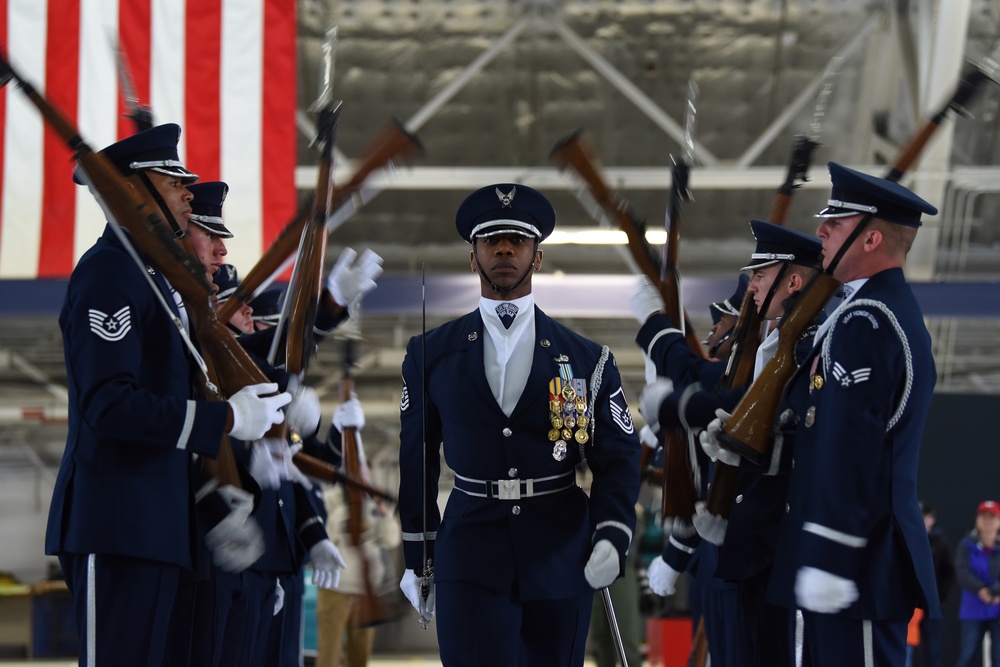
(506, 311)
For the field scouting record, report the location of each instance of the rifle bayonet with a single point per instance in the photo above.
(140, 114)
(690, 119)
(325, 97)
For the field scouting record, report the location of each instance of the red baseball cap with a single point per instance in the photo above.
(989, 507)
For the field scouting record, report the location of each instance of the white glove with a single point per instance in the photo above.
(822, 592)
(267, 463)
(645, 300)
(327, 564)
(711, 528)
(302, 413)
(662, 577)
(410, 585)
(602, 568)
(648, 438)
(254, 413)
(279, 597)
(652, 398)
(349, 414)
(349, 281)
(237, 541)
(709, 439)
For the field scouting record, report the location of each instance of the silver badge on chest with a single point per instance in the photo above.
(560, 450)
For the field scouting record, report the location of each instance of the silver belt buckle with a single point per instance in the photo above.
(509, 489)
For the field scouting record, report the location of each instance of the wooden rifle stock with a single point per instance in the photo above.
(742, 358)
(323, 471)
(368, 610)
(699, 646)
(393, 144)
(749, 328)
(748, 431)
(679, 495)
(153, 238)
(971, 80)
(670, 275)
(305, 292)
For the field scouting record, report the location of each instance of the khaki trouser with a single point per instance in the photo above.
(333, 623)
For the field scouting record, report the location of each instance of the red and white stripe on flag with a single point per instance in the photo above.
(224, 70)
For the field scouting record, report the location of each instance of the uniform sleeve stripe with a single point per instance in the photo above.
(308, 522)
(182, 440)
(834, 535)
(683, 547)
(615, 524)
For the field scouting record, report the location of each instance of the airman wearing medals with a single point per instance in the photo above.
(518, 401)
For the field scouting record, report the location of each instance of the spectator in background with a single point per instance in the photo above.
(931, 629)
(977, 570)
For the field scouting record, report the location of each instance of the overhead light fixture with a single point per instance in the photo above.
(599, 236)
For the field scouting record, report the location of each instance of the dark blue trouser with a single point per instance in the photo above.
(284, 643)
(478, 627)
(835, 641)
(123, 608)
(766, 632)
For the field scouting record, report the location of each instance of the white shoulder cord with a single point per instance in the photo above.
(907, 353)
(596, 379)
(130, 249)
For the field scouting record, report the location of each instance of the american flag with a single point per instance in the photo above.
(224, 70)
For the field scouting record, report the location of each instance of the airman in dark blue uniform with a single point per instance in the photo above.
(121, 517)
(741, 630)
(852, 550)
(518, 400)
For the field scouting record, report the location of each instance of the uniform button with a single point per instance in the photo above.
(788, 508)
(739, 498)
(513, 473)
(507, 432)
(516, 510)
(281, 503)
(793, 464)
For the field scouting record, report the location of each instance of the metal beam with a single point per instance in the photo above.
(629, 178)
(809, 93)
(629, 90)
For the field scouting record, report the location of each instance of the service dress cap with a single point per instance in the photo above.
(730, 306)
(506, 208)
(854, 192)
(154, 149)
(781, 244)
(206, 207)
(267, 306)
(226, 279)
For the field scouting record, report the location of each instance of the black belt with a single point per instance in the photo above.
(515, 488)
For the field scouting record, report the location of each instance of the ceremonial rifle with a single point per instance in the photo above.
(307, 285)
(369, 610)
(226, 364)
(395, 143)
(749, 330)
(574, 152)
(748, 432)
(141, 115)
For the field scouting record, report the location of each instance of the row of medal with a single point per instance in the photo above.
(567, 411)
